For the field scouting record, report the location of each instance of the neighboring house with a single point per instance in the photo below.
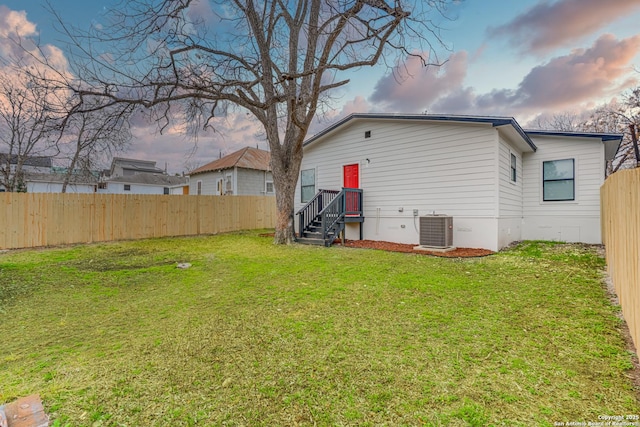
(145, 183)
(498, 182)
(37, 164)
(131, 176)
(32, 164)
(245, 172)
(53, 182)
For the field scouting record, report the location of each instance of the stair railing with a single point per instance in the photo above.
(311, 211)
(347, 203)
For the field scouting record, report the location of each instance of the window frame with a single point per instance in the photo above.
(228, 184)
(266, 187)
(302, 187)
(127, 187)
(513, 167)
(199, 187)
(572, 180)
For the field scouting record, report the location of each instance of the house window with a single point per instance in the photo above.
(102, 185)
(558, 180)
(269, 186)
(514, 170)
(199, 188)
(127, 187)
(166, 190)
(219, 187)
(307, 184)
(228, 184)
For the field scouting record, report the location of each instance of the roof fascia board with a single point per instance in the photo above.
(602, 136)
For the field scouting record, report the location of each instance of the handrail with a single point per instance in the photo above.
(309, 212)
(346, 202)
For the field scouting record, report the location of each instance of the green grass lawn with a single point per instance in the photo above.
(256, 334)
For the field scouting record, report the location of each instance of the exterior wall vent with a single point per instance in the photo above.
(436, 231)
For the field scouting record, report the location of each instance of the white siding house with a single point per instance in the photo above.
(245, 172)
(53, 183)
(485, 172)
(132, 176)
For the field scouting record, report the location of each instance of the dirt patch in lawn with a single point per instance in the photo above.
(401, 247)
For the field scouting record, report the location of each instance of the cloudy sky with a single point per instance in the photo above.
(521, 59)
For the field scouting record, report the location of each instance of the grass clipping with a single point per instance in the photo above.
(257, 334)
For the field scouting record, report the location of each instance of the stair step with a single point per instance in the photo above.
(310, 241)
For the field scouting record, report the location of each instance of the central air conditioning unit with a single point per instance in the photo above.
(436, 231)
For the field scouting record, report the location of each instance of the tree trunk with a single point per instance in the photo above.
(285, 166)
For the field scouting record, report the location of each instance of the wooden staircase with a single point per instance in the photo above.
(323, 219)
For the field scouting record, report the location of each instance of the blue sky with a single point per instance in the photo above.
(521, 58)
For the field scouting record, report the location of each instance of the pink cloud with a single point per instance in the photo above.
(412, 87)
(580, 78)
(548, 25)
(581, 75)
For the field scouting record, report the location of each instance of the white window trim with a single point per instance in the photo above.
(219, 186)
(266, 187)
(199, 187)
(315, 183)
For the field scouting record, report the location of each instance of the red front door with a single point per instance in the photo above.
(351, 176)
(351, 180)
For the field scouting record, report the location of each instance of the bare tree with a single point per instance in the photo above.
(277, 59)
(565, 121)
(29, 118)
(89, 136)
(613, 117)
(618, 117)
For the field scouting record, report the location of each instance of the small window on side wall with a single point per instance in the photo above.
(269, 187)
(514, 168)
(165, 190)
(199, 188)
(307, 185)
(558, 180)
(127, 187)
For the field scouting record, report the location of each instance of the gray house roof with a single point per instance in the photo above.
(58, 178)
(151, 179)
(35, 161)
(142, 166)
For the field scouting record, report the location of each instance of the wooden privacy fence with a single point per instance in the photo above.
(620, 204)
(43, 219)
